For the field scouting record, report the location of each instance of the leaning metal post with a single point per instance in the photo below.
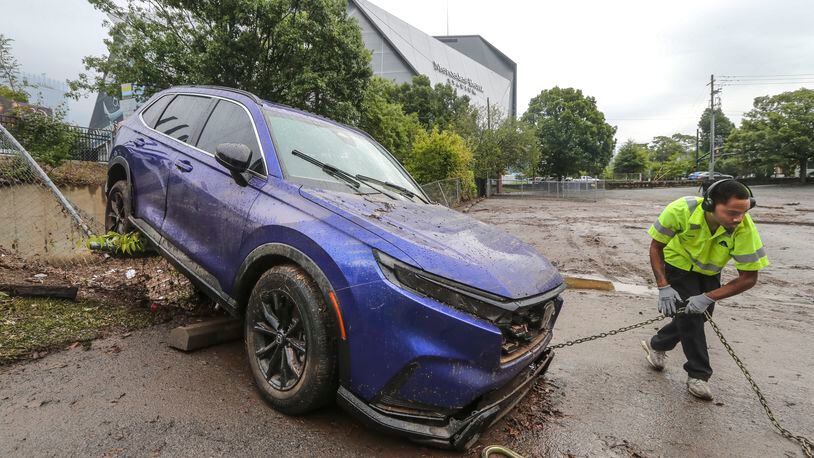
(44, 176)
(446, 202)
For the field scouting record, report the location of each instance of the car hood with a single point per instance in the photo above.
(447, 243)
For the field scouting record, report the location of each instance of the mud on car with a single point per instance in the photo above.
(352, 284)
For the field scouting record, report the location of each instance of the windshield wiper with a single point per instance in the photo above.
(329, 169)
(401, 189)
(339, 173)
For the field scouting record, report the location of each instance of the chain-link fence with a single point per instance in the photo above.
(574, 189)
(628, 177)
(36, 219)
(446, 192)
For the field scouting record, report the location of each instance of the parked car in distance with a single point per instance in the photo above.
(694, 175)
(704, 176)
(588, 178)
(351, 284)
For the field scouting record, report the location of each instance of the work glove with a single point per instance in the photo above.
(698, 304)
(668, 298)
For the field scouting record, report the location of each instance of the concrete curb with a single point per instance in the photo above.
(205, 334)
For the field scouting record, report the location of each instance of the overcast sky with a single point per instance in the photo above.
(646, 62)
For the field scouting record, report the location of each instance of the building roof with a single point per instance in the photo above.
(441, 63)
(500, 53)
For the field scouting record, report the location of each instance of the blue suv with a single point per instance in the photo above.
(352, 285)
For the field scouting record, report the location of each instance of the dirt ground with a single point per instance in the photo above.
(599, 398)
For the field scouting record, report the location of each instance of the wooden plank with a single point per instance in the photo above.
(56, 291)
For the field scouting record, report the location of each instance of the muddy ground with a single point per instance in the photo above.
(134, 396)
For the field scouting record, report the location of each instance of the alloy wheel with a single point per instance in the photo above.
(280, 340)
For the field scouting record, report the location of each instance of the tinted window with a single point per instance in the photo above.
(181, 116)
(229, 123)
(152, 112)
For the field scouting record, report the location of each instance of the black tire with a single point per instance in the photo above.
(291, 341)
(118, 208)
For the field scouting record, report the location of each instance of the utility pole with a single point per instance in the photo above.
(447, 17)
(488, 114)
(488, 161)
(697, 138)
(712, 93)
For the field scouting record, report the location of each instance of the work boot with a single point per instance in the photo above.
(699, 388)
(654, 357)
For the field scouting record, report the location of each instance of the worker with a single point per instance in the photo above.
(693, 239)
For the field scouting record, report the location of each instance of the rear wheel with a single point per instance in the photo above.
(290, 341)
(118, 208)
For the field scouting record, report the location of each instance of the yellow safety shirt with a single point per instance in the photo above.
(691, 246)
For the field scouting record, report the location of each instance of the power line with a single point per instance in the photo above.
(735, 80)
(764, 83)
(766, 76)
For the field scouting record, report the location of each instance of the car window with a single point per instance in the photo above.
(181, 116)
(229, 123)
(151, 114)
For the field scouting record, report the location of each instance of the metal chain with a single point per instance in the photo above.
(606, 334)
(806, 444)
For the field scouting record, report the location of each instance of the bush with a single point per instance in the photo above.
(47, 138)
(442, 155)
(16, 96)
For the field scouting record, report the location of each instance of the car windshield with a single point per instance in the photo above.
(334, 145)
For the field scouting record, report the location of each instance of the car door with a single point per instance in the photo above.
(206, 209)
(150, 162)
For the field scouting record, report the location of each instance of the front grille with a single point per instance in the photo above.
(526, 328)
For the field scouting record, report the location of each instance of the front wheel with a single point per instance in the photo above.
(290, 341)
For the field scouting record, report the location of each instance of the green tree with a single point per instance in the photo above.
(511, 145)
(631, 158)
(671, 157)
(48, 138)
(11, 85)
(386, 121)
(663, 148)
(723, 127)
(439, 155)
(778, 132)
(304, 53)
(571, 131)
(434, 106)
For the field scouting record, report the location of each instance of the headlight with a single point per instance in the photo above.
(484, 304)
(462, 297)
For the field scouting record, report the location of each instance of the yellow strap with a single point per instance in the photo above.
(499, 450)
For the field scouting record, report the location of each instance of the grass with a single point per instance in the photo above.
(31, 326)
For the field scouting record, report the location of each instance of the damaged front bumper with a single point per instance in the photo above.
(458, 431)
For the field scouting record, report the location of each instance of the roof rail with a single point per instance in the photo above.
(231, 89)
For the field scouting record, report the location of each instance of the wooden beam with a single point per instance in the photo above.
(56, 291)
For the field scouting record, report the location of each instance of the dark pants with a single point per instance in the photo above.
(688, 328)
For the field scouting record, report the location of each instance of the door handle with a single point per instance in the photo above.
(183, 165)
(139, 142)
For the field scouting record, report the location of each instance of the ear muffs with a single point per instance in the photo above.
(709, 205)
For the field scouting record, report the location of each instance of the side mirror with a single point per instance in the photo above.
(235, 158)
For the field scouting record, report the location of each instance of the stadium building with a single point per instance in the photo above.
(469, 63)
